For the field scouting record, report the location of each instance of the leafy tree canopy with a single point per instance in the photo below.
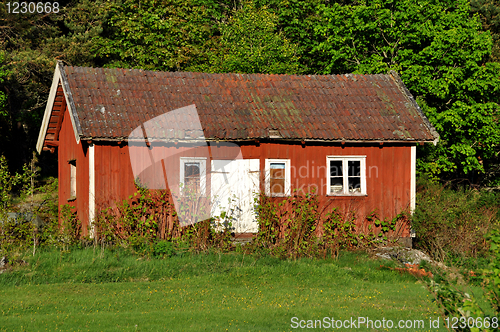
(251, 43)
(157, 34)
(31, 44)
(443, 53)
(440, 53)
(489, 12)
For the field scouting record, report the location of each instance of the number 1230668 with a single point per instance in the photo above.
(471, 322)
(32, 7)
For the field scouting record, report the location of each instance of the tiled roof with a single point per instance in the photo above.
(110, 103)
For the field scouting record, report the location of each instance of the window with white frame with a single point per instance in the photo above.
(193, 176)
(72, 181)
(277, 177)
(346, 175)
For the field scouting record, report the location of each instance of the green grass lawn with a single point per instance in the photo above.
(88, 290)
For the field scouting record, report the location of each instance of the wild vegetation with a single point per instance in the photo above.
(447, 54)
(139, 229)
(299, 226)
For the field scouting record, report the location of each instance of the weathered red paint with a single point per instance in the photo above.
(71, 150)
(387, 172)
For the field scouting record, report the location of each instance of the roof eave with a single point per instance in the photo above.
(59, 76)
(48, 110)
(71, 103)
(252, 139)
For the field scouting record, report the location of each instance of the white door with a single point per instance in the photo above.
(234, 186)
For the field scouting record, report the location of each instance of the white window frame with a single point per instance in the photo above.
(72, 179)
(287, 188)
(203, 172)
(345, 175)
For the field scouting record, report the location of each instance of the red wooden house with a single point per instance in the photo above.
(350, 137)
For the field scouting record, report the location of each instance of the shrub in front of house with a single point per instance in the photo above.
(298, 226)
(148, 218)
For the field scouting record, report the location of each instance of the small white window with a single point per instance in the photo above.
(193, 176)
(277, 177)
(72, 186)
(346, 175)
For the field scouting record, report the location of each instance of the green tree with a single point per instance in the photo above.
(157, 34)
(441, 54)
(296, 20)
(489, 12)
(31, 44)
(251, 43)
(3, 97)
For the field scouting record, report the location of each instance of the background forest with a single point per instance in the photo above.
(447, 52)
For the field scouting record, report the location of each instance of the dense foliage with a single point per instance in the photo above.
(440, 53)
(452, 225)
(445, 51)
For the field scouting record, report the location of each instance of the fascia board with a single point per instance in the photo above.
(48, 109)
(70, 103)
(59, 77)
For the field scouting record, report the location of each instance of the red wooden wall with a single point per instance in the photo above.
(114, 180)
(388, 174)
(68, 150)
(387, 171)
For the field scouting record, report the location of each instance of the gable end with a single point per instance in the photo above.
(59, 97)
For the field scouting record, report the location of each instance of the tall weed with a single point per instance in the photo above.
(299, 226)
(149, 216)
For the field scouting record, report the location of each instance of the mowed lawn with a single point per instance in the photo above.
(89, 291)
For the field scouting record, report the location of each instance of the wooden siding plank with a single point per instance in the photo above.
(389, 167)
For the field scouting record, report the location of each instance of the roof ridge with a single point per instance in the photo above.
(229, 74)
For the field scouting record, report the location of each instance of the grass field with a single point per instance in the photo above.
(87, 290)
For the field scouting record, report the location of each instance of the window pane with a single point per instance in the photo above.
(277, 186)
(73, 180)
(191, 170)
(335, 167)
(354, 167)
(354, 184)
(336, 185)
(277, 165)
(192, 177)
(193, 183)
(277, 178)
(277, 173)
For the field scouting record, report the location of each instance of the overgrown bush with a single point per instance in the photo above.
(35, 220)
(450, 224)
(16, 235)
(299, 225)
(147, 218)
(491, 275)
(163, 248)
(7, 182)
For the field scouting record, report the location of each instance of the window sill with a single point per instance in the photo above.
(72, 198)
(193, 196)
